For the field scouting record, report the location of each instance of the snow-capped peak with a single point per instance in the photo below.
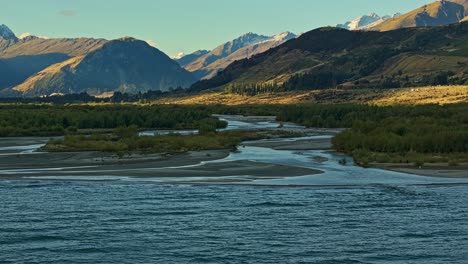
(248, 39)
(178, 56)
(365, 22)
(24, 35)
(285, 36)
(6, 33)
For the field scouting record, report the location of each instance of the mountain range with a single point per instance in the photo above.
(34, 66)
(332, 57)
(206, 64)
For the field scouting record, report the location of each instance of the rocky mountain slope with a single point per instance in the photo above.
(207, 65)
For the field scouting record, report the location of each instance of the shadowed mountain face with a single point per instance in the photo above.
(331, 57)
(205, 65)
(126, 65)
(439, 13)
(17, 69)
(6, 33)
(463, 3)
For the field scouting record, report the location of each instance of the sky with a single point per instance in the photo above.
(185, 25)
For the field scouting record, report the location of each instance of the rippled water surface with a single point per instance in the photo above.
(132, 222)
(346, 214)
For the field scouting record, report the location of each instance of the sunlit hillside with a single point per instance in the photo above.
(417, 96)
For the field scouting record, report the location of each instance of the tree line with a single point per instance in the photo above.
(29, 120)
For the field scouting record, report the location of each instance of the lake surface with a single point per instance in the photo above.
(116, 222)
(346, 214)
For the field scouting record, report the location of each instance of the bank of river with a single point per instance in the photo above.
(305, 160)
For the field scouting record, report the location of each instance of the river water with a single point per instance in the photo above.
(345, 215)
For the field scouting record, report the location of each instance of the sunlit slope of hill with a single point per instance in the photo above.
(409, 96)
(126, 65)
(331, 57)
(434, 14)
(424, 95)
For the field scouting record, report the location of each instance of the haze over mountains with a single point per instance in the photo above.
(34, 66)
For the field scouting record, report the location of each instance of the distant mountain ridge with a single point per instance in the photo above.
(205, 65)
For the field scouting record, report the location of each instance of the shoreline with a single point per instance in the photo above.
(208, 164)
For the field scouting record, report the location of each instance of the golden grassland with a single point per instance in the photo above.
(421, 65)
(236, 99)
(426, 95)
(410, 96)
(48, 72)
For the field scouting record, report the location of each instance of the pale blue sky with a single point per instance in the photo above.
(185, 25)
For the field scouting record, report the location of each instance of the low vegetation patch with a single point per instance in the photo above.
(126, 140)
